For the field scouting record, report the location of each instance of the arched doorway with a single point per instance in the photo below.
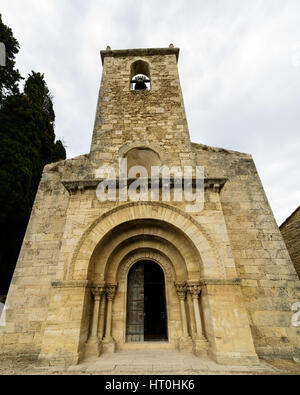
(146, 304)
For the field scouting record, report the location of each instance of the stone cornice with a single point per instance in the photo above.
(71, 284)
(212, 281)
(216, 184)
(139, 52)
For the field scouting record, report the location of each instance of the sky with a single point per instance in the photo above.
(239, 68)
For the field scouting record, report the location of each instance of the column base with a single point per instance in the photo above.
(93, 348)
(185, 344)
(200, 346)
(108, 345)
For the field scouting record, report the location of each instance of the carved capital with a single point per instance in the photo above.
(111, 291)
(98, 290)
(194, 289)
(181, 290)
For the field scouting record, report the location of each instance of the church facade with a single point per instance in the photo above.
(100, 276)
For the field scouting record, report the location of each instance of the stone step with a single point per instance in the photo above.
(147, 346)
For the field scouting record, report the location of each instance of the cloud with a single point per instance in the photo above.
(239, 69)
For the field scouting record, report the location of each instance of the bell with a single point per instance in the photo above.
(140, 86)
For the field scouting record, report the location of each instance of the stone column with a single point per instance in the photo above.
(191, 315)
(200, 346)
(101, 322)
(185, 343)
(108, 341)
(93, 346)
(97, 292)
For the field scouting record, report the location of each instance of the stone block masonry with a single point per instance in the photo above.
(229, 280)
(290, 231)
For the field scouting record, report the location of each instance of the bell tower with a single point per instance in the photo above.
(141, 103)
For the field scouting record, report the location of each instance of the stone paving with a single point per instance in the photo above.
(163, 362)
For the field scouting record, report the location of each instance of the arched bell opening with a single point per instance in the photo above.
(140, 76)
(146, 318)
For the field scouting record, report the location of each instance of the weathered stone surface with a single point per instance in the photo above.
(232, 251)
(290, 230)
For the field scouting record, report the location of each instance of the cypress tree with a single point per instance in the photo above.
(42, 107)
(9, 75)
(27, 144)
(20, 164)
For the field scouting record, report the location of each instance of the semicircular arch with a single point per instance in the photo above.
(184, 224)
(136, 256)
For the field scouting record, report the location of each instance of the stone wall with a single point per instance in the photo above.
(28, 297)
(270, 284)
(126, 118)
(290, 231)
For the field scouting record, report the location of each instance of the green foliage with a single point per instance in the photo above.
(58, 152)
(42, 107)
(20, 161)
(20, 168)
(9, 76)
(27, 144)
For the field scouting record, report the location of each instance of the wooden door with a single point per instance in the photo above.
(135, 304)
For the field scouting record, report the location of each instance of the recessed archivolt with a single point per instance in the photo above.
(109, 253)
(145, 228)
(189, 228)
(159, 235)
(145, 255)
(178, 268)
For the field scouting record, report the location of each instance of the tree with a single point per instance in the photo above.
(27, 144)
(20, 168)
(41, 100)
(9, 75)
(59, 151)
